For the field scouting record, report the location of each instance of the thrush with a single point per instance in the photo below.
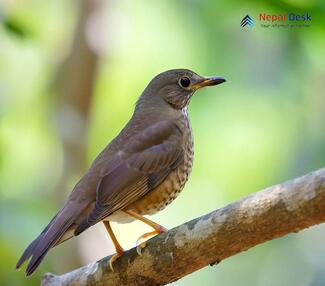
(139, 173)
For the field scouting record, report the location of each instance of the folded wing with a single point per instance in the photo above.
(136, 169)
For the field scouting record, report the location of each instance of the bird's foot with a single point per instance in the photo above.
(140, 245)
(114, 258)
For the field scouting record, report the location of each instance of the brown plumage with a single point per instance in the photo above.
(139, 173)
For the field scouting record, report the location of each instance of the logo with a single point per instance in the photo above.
(281, 20)
(247, 20)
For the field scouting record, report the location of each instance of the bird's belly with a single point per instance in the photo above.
(158, 198)
(166, 192)
(161, 196)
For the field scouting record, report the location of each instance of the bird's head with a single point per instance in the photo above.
(177, 86)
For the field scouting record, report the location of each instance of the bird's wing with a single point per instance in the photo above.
(137, 168)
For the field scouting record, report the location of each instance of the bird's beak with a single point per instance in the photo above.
(208, 81)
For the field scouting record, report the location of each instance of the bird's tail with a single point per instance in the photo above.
(50, 236)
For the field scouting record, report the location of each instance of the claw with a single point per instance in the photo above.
(157, 229)
(140, 245)
(113, 259)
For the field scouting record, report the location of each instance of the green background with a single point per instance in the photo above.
(70, 73)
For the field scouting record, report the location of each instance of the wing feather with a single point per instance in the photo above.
(137, 168)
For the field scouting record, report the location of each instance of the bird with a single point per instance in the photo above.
(138, 173)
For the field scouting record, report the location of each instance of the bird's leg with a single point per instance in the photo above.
(118, 247)
(157, 229)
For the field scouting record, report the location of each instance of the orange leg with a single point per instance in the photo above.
(157, 229)
(118, 247)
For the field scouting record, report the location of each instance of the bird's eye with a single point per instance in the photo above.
(184, 82)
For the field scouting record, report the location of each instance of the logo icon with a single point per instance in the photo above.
(247, 20)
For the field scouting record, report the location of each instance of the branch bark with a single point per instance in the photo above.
(262, 216)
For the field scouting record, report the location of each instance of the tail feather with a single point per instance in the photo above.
(50, 237)
(29, 250)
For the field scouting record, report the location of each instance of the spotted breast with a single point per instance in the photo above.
(167, 191)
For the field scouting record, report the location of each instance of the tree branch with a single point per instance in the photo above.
(262, 216)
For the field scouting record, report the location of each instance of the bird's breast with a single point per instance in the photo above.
(169, 189)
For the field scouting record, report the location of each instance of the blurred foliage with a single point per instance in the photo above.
(265, 125)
